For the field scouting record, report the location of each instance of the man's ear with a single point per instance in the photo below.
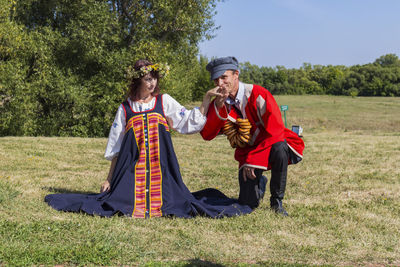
(236, 73)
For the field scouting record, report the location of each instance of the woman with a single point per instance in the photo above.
(144, 178)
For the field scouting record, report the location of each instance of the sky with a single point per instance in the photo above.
(292, 32)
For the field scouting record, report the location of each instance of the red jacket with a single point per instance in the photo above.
(262, 111)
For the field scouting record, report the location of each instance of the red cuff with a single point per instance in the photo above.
(215, 120)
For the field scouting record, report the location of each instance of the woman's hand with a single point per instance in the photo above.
(105, 186)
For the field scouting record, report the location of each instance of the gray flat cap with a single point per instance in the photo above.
(218, 66)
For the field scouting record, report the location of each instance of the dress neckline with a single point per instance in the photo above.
(151, 109)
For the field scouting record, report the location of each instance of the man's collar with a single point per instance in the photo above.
(239, 96)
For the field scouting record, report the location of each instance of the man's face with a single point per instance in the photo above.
(229, 82)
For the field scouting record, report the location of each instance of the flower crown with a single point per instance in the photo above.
(161, 68)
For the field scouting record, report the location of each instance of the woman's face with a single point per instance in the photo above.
(148, 84)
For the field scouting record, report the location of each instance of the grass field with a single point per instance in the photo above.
(343, 198)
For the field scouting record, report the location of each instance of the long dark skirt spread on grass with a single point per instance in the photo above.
(146, 181)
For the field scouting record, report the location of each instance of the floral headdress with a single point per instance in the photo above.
(161, 68)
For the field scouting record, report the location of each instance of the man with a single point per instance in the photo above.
(267, 146)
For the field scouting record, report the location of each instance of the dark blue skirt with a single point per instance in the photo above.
(147, 181)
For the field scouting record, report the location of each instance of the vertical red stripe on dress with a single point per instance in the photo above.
(137, 124)
(154, 119)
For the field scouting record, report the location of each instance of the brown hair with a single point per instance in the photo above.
(135, 83)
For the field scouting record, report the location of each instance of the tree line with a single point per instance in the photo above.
(63, 62)
(380, 78)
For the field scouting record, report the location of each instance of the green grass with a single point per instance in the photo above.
(343, 199)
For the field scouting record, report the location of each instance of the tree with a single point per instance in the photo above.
(388, 60)
(203, 82)
(381, 78)
(16, 103)
(68, 76)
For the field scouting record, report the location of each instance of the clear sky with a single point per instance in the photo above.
(291, 32)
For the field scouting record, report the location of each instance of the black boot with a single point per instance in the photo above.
(278, 158)
(276, 205)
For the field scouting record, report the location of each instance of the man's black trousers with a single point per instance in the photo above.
(250, 191)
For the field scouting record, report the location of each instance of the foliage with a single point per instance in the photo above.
(203, 81)
(381, 78)
(63, 62)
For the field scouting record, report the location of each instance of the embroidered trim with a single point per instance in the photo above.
(137, 125)
(182, 112)
(155, 190)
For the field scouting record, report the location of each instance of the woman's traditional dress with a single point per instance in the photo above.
(146, 181)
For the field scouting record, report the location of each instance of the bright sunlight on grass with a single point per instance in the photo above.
(343, 199)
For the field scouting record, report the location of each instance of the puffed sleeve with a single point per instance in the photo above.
(183, 121)
(116, 134)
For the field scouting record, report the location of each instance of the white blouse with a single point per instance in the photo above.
(179, 118)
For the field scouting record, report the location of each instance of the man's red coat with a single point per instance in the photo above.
(262, 111)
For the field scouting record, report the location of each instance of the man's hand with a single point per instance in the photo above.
(248, 172)
(105, 186)
(213, 92)
(220, 100)
(207, 99)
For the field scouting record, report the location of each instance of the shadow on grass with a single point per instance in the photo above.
(198, 262)
(57, 190)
